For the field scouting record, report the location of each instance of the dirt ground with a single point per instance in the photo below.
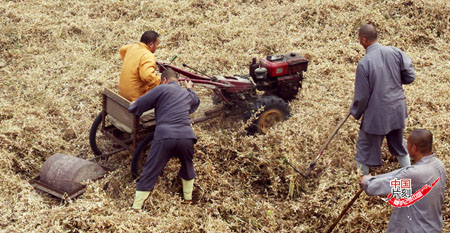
(56, 58)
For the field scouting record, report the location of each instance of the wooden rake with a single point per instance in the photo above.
(324, 146)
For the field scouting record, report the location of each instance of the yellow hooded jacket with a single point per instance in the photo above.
(138, 71)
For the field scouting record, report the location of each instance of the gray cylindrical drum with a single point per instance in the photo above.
(65, 172)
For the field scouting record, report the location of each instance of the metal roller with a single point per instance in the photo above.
(65, 173)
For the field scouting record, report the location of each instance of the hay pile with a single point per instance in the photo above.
(57, 56)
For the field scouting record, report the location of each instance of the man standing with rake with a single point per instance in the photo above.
(380, 99)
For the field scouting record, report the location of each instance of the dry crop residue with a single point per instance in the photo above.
(57, 56)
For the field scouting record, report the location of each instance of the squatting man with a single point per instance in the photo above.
(174, 135)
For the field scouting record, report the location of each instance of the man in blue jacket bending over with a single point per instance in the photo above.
(173, 134)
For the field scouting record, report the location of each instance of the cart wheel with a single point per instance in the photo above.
(275, 110)
(140, 156)
(93, 134)
(99, 143)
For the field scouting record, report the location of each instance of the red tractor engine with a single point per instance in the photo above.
(280, 75)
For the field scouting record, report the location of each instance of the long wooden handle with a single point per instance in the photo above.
(324, 146)
(330, 229)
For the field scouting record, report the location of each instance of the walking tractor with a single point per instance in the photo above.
(277, 77)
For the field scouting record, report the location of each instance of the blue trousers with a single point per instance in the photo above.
(160, 153)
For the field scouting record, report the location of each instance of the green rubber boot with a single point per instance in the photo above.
(140, 198)
(188, 187)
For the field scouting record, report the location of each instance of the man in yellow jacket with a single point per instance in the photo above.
(139, 65)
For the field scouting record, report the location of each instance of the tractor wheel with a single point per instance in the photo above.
(140, 156)
(94, 140)
(289, 92)
(274, 111)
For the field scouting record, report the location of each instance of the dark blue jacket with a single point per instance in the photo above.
(172, 104)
